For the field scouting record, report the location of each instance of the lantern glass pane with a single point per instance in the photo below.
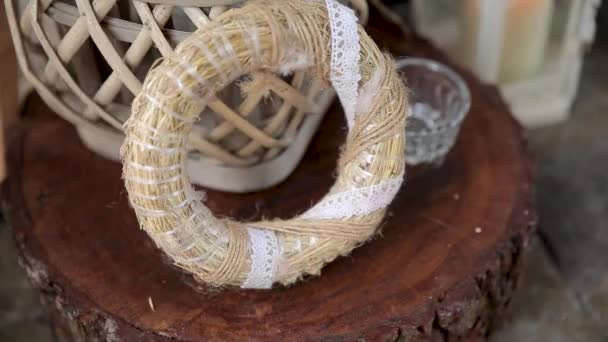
(438, 20)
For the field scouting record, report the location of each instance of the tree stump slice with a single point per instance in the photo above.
(443, 267)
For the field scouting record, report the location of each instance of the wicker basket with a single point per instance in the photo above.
(86, 60)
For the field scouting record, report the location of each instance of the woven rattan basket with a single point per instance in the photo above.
(87, 59)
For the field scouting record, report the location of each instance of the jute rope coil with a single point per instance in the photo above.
(277, 36)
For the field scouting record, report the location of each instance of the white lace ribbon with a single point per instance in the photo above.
(345, 48)
(264, 251)
(355, 202)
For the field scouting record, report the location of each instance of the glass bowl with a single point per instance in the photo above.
(439, 101)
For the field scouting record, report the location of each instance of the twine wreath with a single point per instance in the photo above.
(279, 36)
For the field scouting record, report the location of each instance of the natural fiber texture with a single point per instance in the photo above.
(57, 43)
(217, 251)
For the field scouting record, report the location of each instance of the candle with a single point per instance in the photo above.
(506, 38)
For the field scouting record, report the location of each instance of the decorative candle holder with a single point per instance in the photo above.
(439, 101)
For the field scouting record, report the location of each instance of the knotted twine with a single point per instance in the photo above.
(277, 36)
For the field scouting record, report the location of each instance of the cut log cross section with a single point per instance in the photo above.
(443, 267)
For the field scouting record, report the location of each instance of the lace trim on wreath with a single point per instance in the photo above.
(264, 252)
(345, 48)
(355, 202)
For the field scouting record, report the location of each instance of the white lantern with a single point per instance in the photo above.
(532, 49)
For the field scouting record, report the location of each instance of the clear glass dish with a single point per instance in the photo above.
(439, 100)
